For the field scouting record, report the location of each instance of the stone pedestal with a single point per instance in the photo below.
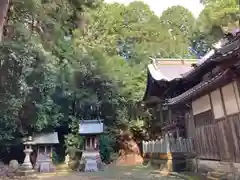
(27, 163)
(175, 162)
(169, 162)
(91, 161)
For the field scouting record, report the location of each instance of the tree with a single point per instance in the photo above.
(29, 72)
(180, 24)
(219, 13)
(217, 18)
(179, 20)
(3, 12)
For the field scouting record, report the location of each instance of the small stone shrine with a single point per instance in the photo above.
(44, 143)
(91, 129)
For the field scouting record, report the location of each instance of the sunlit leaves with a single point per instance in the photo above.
(220, 13)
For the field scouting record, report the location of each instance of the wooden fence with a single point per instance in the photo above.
(168, 144)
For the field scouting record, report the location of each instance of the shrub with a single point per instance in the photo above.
(106, 148)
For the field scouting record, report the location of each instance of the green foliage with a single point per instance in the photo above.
(132, 31)
(217, 18)
(55, 158)
(28, 79)
(180, 24)
(73, 141)
(224, 14)
(137, 129)
(107, 143)
(179, 20)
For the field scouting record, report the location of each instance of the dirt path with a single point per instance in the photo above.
(115, 173)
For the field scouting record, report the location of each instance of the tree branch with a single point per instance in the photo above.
(3, 13)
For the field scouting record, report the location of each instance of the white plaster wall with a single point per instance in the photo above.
(217, 104)
(201, 104)
(237, 93)
(229, 99)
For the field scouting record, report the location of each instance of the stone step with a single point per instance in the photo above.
(217, 174)
(226, 167)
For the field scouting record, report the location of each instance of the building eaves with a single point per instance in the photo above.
(214, 56)
(196, 90)
(232, 50)
(168, 70)
(46, 138)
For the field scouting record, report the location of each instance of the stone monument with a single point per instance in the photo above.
(13, 165)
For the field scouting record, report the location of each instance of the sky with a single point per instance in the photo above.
(158, 6)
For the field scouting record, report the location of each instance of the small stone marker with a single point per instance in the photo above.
(13, 165)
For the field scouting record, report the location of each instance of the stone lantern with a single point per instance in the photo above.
(27, 165)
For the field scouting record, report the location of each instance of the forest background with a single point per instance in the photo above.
(62, 61)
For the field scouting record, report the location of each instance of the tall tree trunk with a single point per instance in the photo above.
(3, 13)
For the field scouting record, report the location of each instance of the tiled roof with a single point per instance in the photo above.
(91, 126)
(168, 70)
(195, 90)
(91, 121)
(174, 61)
(228, 48)
(226, 53)
(46, 138)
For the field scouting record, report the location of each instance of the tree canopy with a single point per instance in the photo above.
(218, 17)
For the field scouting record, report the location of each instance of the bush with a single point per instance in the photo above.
(106, 148)
(55, 158)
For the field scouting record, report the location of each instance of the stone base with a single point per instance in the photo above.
(30, 172)
(170, 162)
(169, 165)
(90, 161)
(220, 166)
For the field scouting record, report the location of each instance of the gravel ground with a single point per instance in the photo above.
(115, 173)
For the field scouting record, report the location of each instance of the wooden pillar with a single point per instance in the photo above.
(169, 114)
(86, 139)
(236, 92)
(161, 113)
(95, 143)
(51, 151)
(224, 107)
(45, 149)
(91, 143)
(177, 132)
